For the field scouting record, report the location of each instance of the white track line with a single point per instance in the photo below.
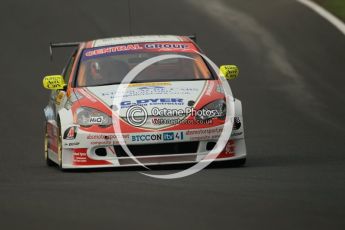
(325, 14)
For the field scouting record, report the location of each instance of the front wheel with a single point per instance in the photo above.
(230, 163)
(238, 162)
(59, 146)
(46, 143)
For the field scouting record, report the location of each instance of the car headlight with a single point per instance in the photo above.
(215, 109)
(88, 116)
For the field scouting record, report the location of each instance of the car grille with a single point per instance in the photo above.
(158, 149)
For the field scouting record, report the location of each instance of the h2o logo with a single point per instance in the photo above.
(96, 120)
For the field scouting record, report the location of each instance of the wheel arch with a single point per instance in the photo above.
(238, 108)
(64, 118)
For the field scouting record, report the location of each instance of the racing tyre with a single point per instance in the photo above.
(238, 163)
(48, 161)
(230, 163)
(59, 146)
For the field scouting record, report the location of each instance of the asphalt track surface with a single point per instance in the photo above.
(292, 88)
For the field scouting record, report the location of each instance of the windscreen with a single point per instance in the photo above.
(109, 65)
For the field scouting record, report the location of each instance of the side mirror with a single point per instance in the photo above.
(229, 72)
(54, 82)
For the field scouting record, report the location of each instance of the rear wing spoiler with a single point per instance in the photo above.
(192, 37)
(53, 45)
(60, 45)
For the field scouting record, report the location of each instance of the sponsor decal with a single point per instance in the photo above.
(147, 137)
(100, 139)
(79, 156)
(104, 137)
(147, 90)
(148, 47)
(204, 131)
(172, 136)
(236, 134)
(153, 101)
(229, 148)
(112, 49)
(103, 142)
(168, 136)
(166, 46)
(156, 90)
(237, 123)
(204, 134)
(150, 84)
(70, 133)
(53, 82)
(96, 120)
(228, 151)
(72, 144)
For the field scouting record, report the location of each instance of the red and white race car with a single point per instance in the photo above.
(172, 111)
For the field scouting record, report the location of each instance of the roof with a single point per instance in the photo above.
(137, 39)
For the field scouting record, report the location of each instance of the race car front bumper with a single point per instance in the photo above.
(90, 150)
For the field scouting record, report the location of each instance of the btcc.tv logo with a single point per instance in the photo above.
(169, 136)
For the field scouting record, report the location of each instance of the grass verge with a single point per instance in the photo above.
(336, 7)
